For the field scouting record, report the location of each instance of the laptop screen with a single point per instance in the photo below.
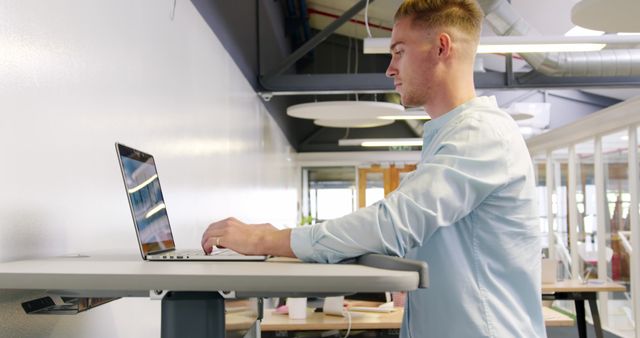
(146, 200)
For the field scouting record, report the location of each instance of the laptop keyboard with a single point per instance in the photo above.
(187, 253)
(223, 252)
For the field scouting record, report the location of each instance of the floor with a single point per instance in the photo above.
(572, 332)
(619, 323)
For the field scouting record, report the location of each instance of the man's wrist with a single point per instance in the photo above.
(274, 242)
(259, 242)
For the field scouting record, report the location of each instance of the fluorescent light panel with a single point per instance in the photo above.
(382, 142)
(526, 44)
(405, 117)
(542, 48)
(581, 31)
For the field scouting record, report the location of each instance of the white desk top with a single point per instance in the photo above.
(129, 275)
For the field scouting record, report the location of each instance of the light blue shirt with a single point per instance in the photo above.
(469, 211)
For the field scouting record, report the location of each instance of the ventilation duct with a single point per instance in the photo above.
(614, 62)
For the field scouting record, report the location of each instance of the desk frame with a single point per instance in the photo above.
(580, 292)
(579, 297)
(193, 314)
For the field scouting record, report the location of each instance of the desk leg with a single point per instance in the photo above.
(596, 317)
(580, 318)
(193, 314)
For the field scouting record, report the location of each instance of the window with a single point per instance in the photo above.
(327, 193)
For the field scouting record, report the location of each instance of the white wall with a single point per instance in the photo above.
(78, 75)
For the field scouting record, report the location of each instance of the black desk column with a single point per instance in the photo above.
(193, 314)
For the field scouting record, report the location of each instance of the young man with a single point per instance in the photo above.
(468, 210)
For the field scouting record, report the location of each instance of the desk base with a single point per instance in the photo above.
(579, 298)
(193, 314)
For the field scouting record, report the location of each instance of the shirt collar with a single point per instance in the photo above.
(437, 123)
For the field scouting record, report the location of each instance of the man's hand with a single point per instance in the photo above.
(248, 239)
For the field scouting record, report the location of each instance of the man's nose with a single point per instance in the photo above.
(391, 71)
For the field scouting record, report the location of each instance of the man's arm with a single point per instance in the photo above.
(248, 239)
(468, 166)
(277, 243)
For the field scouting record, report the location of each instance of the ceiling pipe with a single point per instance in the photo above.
(613, 62)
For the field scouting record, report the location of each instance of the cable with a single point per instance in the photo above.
(346, 134)
(349, 325)
(366, 18)
(172, 14)
(349, 57)
(355, 71)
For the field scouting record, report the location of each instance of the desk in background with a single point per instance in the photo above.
(378, 324)
(279, 325)
(579, 292)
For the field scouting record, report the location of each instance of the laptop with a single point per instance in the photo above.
(149, 212)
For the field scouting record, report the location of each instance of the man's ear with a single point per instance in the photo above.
(444, 41)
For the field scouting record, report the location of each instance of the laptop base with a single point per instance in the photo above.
(191, 255)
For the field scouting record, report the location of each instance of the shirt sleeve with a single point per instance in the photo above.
(467, 166)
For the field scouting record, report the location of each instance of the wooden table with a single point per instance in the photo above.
(553, 318)
(279, 325)
(579, 292)
(241, 318)
(317, 321)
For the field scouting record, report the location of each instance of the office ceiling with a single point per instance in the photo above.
(336, 69)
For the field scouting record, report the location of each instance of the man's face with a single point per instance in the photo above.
(414, 61)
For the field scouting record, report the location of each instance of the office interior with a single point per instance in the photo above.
(205, 85)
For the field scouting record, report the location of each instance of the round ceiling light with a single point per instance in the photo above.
(607, 15)
(352, 123)
(345, 110)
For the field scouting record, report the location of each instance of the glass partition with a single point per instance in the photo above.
(328, 192)
(540, 171)
(586, 205)
(617, 196)
(593, 182)
(560, 212)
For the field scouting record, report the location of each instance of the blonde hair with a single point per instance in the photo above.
(464, 15)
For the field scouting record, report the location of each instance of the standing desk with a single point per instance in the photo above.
(579, 292)
(193, 292)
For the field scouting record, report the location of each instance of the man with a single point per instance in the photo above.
(468, 210)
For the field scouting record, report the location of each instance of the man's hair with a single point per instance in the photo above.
(465, 15)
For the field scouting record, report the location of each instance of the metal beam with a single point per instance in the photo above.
(329, 83)
(583, 97)
(326, 84)
(316, 40)
(311, 136)
(509, 77)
